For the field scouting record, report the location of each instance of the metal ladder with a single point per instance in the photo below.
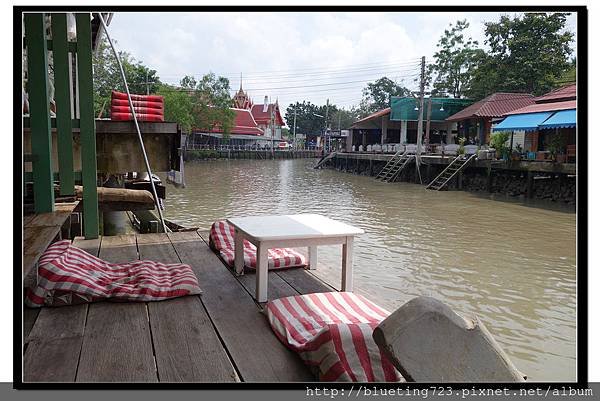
(325, 158)
(394, 166)
(459, 163)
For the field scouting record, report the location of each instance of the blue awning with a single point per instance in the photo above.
(561, 119)
(523, 122)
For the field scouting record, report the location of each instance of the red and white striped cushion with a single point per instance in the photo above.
(221, 238)
(68, 275)
(333, 333)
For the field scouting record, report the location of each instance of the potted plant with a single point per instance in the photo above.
(517, 152)
(461, 143)
(556, 146)
(498, 142)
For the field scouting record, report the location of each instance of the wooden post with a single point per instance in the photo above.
(62, 86)
(347, 275)
(86, 125)
(39, 109)
(529, 184)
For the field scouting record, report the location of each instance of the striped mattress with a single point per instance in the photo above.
(333, 334)
(68, 275)
(221, 239)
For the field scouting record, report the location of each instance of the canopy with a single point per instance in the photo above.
(561, 119)
(525, 122)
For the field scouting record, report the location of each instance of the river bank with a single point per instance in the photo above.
(552, 186)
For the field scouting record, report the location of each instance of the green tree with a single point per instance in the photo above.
(308, 121)
(527, 53)
(377, 95)
(107, 77)
(178, 106)
(454, 61)
(211, 104)
(343, 118)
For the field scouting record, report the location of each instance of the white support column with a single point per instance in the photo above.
(312, 257)
(262, 273)
(347, 275)
(403, 131)
(384, 127)
(349, 141)
(239, 253)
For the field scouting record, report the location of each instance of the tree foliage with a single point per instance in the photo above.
(454, 61)
(211, 104)
(107, 77)
(310, 118)
(199, 105)
(377, 95)
(527, 53)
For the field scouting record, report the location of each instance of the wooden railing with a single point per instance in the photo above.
(40, 119)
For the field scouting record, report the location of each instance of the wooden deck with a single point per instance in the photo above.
(220, 336)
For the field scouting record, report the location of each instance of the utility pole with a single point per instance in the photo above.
(272, 132)
(420, 123)
(326, 113)
(147, 87)
(295, 109)
(428, 125)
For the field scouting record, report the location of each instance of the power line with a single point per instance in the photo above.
(403, 62)
(320, 72)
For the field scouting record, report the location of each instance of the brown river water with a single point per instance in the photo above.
(510, 263)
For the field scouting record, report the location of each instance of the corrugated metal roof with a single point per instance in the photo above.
(495, 105)
(567, 92)
(539, 107)
(373, 116)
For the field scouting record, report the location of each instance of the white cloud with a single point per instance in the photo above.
(275, 50)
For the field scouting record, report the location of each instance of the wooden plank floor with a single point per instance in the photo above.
(219, 336)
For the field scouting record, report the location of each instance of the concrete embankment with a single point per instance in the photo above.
(535, 180)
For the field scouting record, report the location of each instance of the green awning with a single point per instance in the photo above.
(403, 108)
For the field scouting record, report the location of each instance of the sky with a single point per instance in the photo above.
(291, 57)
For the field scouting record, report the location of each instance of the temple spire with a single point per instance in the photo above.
(240, 82)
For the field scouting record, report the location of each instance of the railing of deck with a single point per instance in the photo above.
(37, 46)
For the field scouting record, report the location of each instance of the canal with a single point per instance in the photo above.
(510, 263)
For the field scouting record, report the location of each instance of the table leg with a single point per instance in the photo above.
(347, 275)
(312, 257)
(262, 273)
(239, 253)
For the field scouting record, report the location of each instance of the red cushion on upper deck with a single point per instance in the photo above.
(221, 239)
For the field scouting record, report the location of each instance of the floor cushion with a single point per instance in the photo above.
(221, 239)
(333, 334)
(68, 275)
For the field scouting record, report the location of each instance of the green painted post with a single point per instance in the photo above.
(63, 104)
(39, 108)
(87, 125)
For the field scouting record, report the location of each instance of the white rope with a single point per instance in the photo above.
(137, 127)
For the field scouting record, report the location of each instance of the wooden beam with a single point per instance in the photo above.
(183, 324)
(88, 134)
(117, 344)
(39, 106)
(63, 104)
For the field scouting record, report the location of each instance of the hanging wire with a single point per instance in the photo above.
(137, 126)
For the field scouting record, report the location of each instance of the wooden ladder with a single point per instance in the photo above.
(325, 158)
(394, 166)
(458, 164)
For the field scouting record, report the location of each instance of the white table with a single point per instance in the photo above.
(291, 231)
